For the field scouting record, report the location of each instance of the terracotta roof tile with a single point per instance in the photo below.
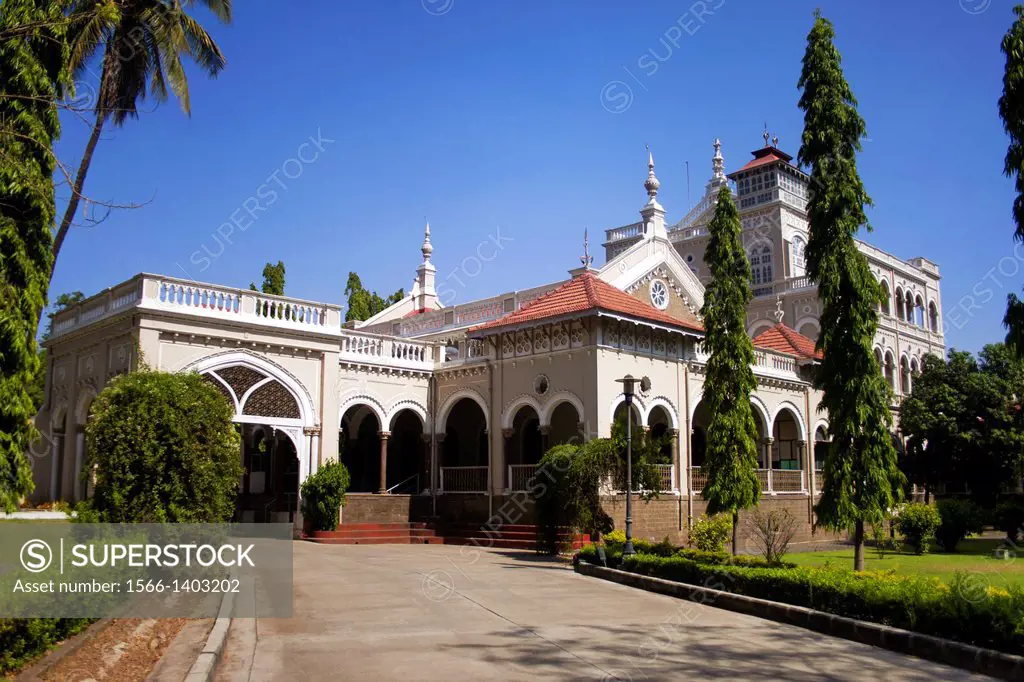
(763, 157)
(783, 339)
(588, 293)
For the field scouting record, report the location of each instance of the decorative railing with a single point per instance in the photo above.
(782, 286)
(667, 477)
(765, 361)
(773, 481)
(463, 479)
(519, 476)
(105, 304)
(385, 350)
(625, 232)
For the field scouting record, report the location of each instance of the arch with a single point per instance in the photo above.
(758, 327)
(555, 400)
(798, 417)
(919, 311)
(900, 304)
(565, 424)
(915, 367)
(819, 449)
(890, 369)
(885, 307)
(509, 413)
(666, 404)
(638, 405)
(411, 405)
(450, 402)
(933, 317)
(307, 410)
(799, 259)
(809, 327)
(909, 307)
(362, 399)
(905, 386)
(58, 418)
(761, 410)
(83, 404)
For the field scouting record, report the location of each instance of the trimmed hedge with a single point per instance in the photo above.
(613, 554)
(963, 610)
(23, 639)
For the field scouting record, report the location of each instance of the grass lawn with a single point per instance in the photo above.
(973, 556)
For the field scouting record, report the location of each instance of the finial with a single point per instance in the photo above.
(586, 258)
(779, 313)
(765, 134)
(775, 141)
(717, 162)
(427, 247)
(652, 183)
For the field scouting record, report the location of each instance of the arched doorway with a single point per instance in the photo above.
(523, 448)
(464, 452)
(660, 431)
(698, 446)
(359, 448)
(565, 425)
(787, 464)
(822, 441)
(408, 466)
(270, 483)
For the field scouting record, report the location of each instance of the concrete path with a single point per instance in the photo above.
(404, 612)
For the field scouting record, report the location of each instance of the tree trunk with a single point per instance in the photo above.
(76, 190)
(858, 545)
(735, 525)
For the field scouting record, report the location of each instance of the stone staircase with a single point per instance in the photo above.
(509, 536)
(409, 533)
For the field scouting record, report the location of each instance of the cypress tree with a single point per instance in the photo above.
(861, 475)
(731, 455)
(32, 58)
(1011, 110)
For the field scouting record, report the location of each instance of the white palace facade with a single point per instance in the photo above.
(443, 412)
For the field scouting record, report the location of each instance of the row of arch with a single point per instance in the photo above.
(909, 307)
(902, 380)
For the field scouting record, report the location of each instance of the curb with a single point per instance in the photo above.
(956, 654)
(205, 665)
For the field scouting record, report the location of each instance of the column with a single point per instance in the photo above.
(506, 441)
(545, 433)
(801, 448)
(768, 460)
(680, 477)
(76, 482)
(435, 474)
(384, 435)
(56, 457)
(424, 483)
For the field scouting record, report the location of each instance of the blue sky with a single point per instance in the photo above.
(503, 122)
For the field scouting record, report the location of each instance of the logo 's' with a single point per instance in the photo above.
(36, 556)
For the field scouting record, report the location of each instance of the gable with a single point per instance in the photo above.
(628, 270)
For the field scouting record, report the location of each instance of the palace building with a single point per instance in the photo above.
(442, 412)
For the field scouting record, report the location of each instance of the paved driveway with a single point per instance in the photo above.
(406, 612)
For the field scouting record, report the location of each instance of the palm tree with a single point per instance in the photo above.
(143, 42)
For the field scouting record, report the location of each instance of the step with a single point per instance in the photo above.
(397, 525)
(378, 541)
(497, 543)
(373, 533)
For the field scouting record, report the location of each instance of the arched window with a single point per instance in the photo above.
(933, 317)
(878, 358)
(915, 368)
(799, 258)
(905, 375)
(900, 315)
(890, 371)
(761, 264)
(886, 308)
(919, 311)
(910, 307)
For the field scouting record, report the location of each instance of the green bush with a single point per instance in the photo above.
(22, 639)
(1010, 518)
(709, 533)
(917, 523)
(960, 518)
(323, 495)
(986, 617)
(615, 540)
(163, 449)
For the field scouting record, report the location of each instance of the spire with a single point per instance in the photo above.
(427, 247)
(717, 162)
(586, 258)
(652, 183)
(766, 135)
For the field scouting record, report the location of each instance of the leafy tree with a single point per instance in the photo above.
(273, 279)
(1011, 110)
(861, 475)
(163, 449)
(364, 304)
(142, 43)
(963, 422)
(731, 455)
(32, 76)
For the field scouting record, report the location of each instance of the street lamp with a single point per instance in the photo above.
(628, 384)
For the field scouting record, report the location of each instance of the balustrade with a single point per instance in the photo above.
(463, 479)
(773, 481)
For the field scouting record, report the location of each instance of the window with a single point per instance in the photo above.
(659, 294)
(899, 304)
(904, 375)
(799, 257)
(885, 307)
(919, 312)
(909, 309)
(761, 264)
(933, 317)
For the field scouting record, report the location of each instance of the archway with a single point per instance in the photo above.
(565, 425)
(57, 443)
(359, 448)
(761, 424)
(890, 370)
(79, 487)
(270, 483)
(660, 426)
(698, 446)
(821, 444)
(408, 465)
(787, 446)
(905, 386)
(523, 447)
(464, 453)
(885, 306)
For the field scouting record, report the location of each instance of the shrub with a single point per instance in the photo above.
(1010, 518)
(613, 554)
(773, 531)
(881, 533)
(709, 533)
(960, 518)
(163, 449)
(22, 639)
(989, 617)
(917, 523)
(323, 495)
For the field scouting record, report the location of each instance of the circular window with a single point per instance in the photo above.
(659, 294)
(540, 384)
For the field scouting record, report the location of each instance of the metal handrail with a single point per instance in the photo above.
(403, 482)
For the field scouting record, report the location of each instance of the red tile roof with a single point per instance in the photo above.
(783, 339)
(763, 157)
(587, 293)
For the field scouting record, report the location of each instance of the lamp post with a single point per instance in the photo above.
(628, 385)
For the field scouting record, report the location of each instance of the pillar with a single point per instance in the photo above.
(545, 437)
(384, 435)
(76, 482)
(680, 482)
(506, 441)
(435, 473)
(801, 448)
